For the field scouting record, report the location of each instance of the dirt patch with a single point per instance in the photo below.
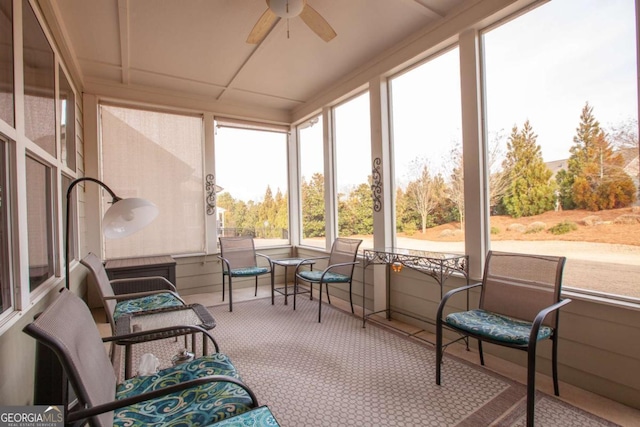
(617, 226)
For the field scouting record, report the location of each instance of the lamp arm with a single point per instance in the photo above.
(66, 245)
(88, 178)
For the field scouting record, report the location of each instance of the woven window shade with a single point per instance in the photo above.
(247, 124)
(159, 157)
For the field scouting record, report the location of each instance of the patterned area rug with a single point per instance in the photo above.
(339, 374)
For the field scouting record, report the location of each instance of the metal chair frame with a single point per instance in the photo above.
(538, 311)
(341, 260)
(240, 253)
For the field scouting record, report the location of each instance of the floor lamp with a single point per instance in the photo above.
(123, 218)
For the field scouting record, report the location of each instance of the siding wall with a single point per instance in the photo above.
(599, 348)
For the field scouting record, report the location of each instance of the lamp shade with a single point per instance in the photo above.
(126, 216)
(286, 8)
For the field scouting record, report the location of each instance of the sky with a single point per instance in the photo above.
(542, 66)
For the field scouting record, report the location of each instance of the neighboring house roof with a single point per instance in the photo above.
(631, 158)
(556, 165)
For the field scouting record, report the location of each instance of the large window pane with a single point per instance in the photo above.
(5, 285)
(40, 222)
(6, 62)
(353, 169)
(156, 156)
(251, 169)
(67, 106)
(311, 153)
(429, 185)
(561, 96)
(39, 83)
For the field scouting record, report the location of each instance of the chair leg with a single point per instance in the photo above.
(327, 286)
(554, 361)
(223, 286)
(480, 352)
(531, 384)
(255, 294)
(230, 295)
(351, 297)
(438, 349)
(272, 288)
(295, 291)
(319, 300)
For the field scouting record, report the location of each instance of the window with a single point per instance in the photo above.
(5, 286)
(67, 107)
(40, 222)
(159, 157)
(39, 83)
(311, 154)
(6, 62)
(427, 154)
(561, 108)
(251, 171)
(353, 169)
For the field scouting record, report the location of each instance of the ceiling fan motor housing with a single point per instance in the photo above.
(286, 8)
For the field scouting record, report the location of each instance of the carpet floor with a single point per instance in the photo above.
(336, 373)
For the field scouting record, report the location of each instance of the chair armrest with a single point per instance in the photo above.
(537, 322)
(265, 257)
(451, 293)
(161, 333)
(141, 284)
(127, 401)
(342, 264)
(305, 260)
(124, 297)
(225, 263)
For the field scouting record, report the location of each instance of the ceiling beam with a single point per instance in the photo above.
(430, 10)
(123, 20)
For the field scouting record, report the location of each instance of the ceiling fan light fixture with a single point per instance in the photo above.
(286, 8)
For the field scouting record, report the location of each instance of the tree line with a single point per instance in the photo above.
(520, 184)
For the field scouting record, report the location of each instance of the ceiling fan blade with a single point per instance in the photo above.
(262, 27)
(317, 23)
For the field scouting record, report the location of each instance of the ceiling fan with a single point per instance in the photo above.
(277, 9)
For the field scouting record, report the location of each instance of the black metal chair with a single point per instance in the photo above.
(519, 303)
(341, 262)
(201, 392)
(240, 259)
(126, 296)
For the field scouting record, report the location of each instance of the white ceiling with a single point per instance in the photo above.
(197, 48)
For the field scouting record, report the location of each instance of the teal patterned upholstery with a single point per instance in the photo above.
(150, 302)
(198, 406)
(496, 326)
(248, 271)
(329, 277)
(259, 417)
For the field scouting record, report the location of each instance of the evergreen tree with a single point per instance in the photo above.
(530, 191)
(281, 220)
(595, 178)
(312, 195)
(266, 214)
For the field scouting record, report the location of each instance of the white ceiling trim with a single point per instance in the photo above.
(123, 21)
(431, 11)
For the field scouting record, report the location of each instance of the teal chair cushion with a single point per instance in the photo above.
(259, 417)
(329, 277)
(496, 326)
(202, 405)
(248, 271)
(150, 302)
